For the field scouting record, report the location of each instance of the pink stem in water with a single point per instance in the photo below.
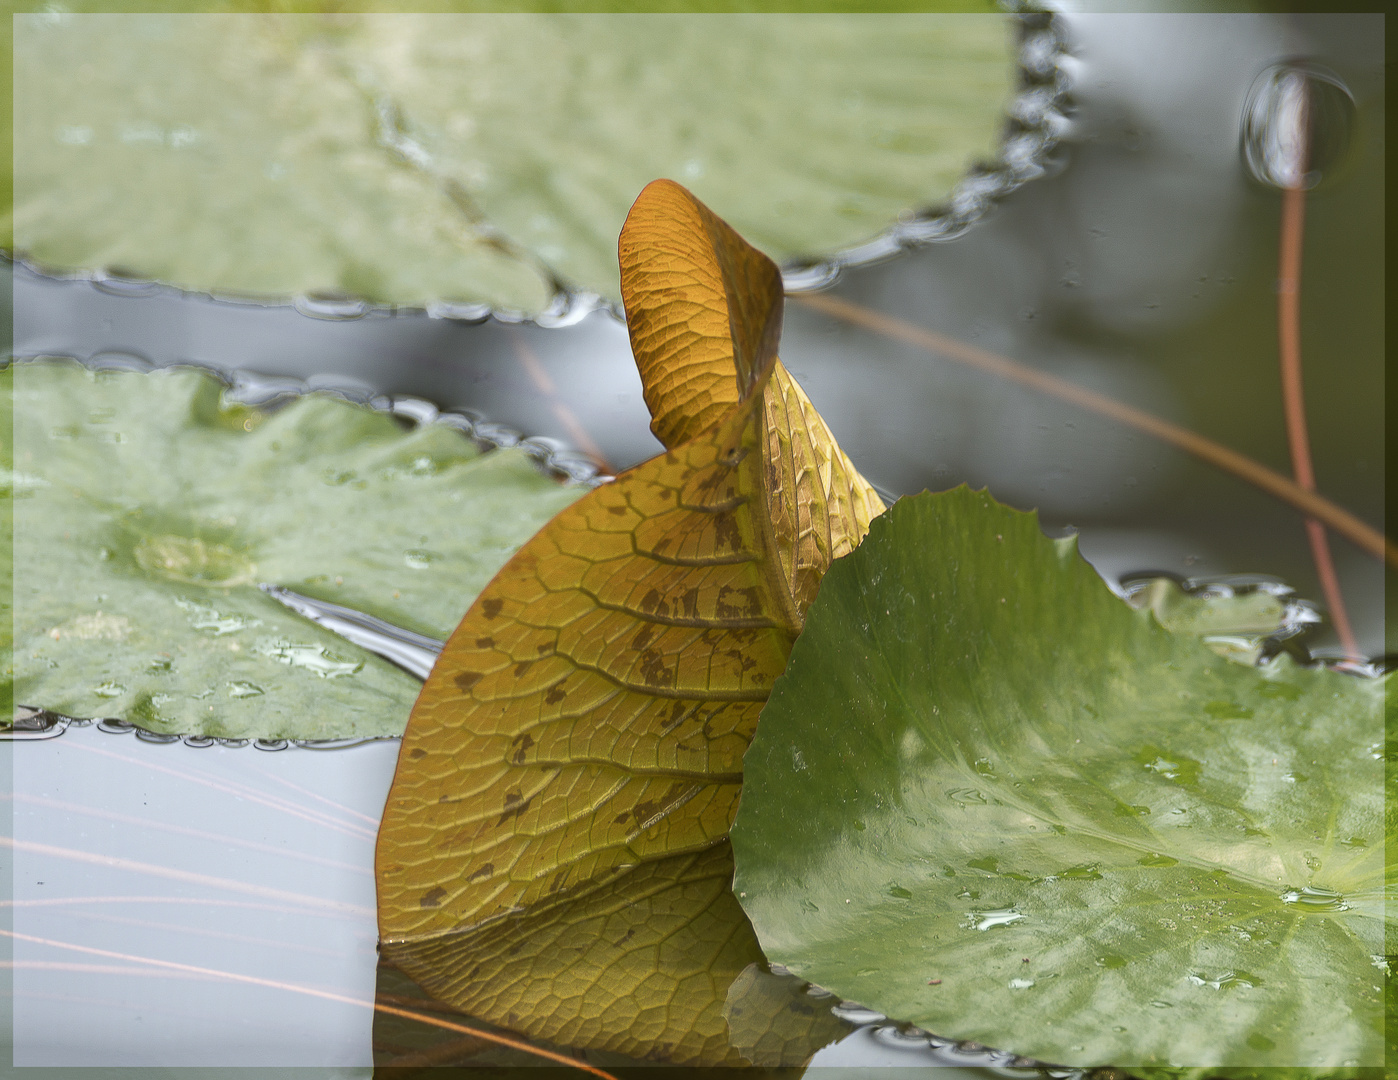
(1293, 220)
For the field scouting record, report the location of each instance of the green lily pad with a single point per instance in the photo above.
(1111, 846)
(417, 158)
(231, 153)
(806, 133)
(148, 509)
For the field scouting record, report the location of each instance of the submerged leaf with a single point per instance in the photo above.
(407, 158)
(147, 511)
(989, 799)
(553, 856)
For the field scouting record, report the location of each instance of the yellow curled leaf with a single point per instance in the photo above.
(553, 857)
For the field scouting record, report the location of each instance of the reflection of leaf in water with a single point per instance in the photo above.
(409, 158)
(553, 854)
(161, 508)
(1167, 840)
(778, 1020)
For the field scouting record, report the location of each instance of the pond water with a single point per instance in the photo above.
(1143, 266)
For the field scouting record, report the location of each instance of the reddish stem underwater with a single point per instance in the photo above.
(1293, 224)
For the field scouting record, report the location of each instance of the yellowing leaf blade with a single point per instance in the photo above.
(580, 741)
(819, 505)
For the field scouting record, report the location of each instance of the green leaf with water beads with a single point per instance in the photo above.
(988, 798)
(472, 157)
(147, 511)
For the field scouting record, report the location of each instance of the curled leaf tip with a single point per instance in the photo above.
(553, 856)
(703, 308)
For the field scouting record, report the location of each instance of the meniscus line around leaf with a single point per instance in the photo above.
(1359, 533)
(254, 980)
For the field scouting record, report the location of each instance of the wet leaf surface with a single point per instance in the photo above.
(553, 854)
(412, 158)
(147, 511)
(1110, 846)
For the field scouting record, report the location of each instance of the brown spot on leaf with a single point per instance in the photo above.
(654, 604)
(466, 679)
(555, 695)
(711, 482)
(485, 642)
(417, 752)
(653, 669)
(678, 711)
(515, 804)
(484, 872)
(726, 532)
(745, 663)
(522, 667)
(748, 605)
(617, 510)
(642, 638)
(491, 608)
(690, 602)
(524, 742)
(432, 898)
